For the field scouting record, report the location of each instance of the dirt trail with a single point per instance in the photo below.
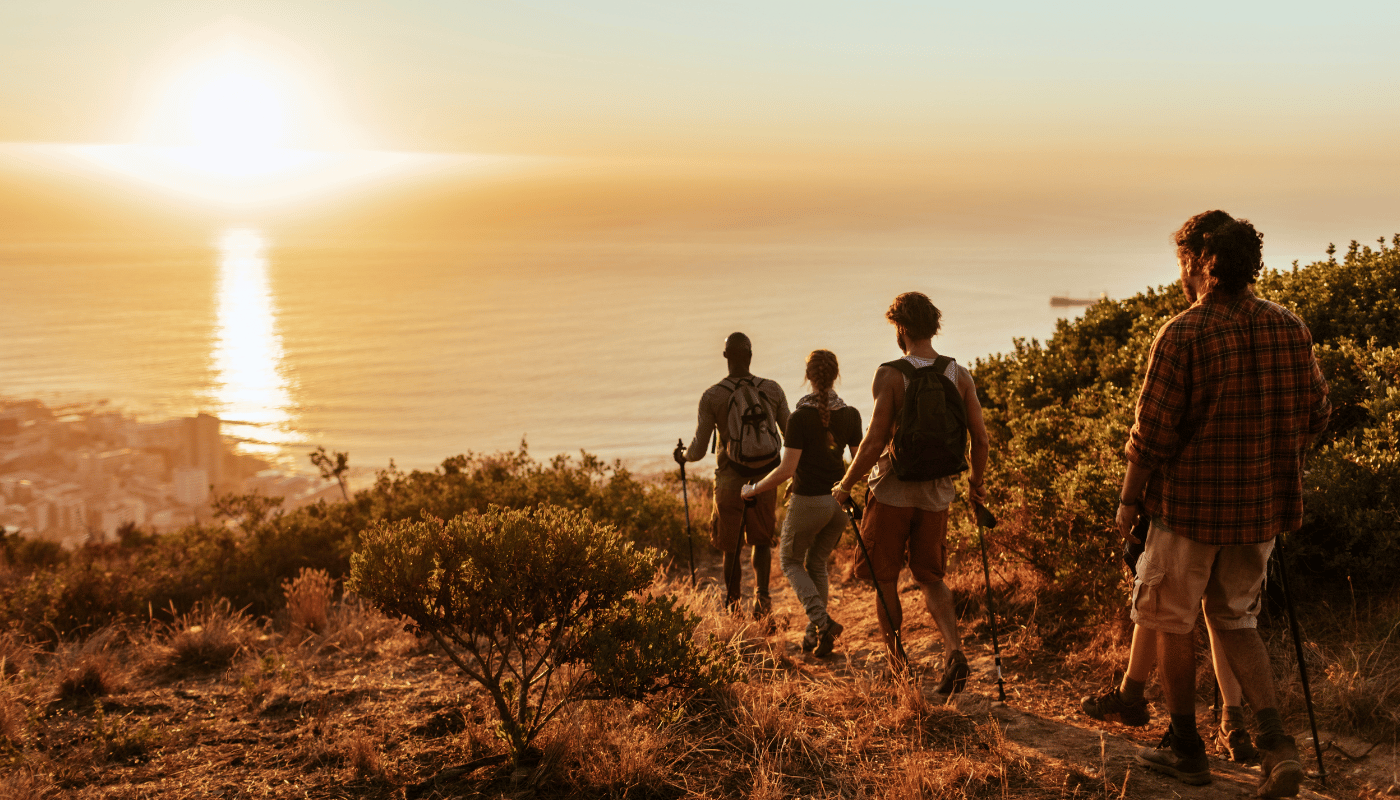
(1041, 718)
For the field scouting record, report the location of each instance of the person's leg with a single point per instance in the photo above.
(1232, 604)
(804, 520)
(1125, 703)
(1233, 734)
(760, 525)
(727, 530)
(819, 555)
(884, 531)
(1172, 575)
(928, 560)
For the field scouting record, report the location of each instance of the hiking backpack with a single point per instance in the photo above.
(751, 431)
(930, 440)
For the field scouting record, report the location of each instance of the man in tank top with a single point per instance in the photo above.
(909, 519)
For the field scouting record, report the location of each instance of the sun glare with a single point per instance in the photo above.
(237, 104)
(239, 118)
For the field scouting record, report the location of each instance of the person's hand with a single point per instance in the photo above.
(748, 490)
(977, 492)
(1127, 518)
(679, 454)
(842, 496)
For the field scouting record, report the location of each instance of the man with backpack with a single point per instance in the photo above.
(926, 410)
(750, 414)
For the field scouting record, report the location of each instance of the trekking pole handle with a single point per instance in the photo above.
(853, 509)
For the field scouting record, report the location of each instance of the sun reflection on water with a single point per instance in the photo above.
(250, 388)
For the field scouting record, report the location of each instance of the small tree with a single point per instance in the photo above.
(333, 468)
(543, 607)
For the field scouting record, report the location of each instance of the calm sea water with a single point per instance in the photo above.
(416, 352)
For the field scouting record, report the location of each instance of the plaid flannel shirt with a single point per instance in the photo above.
(1232, 398)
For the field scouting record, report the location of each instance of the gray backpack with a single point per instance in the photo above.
(751, 430)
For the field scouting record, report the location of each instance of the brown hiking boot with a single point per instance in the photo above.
(1237, 744)
(1281, 772)
(1111, 707)
(1185, 762)
(955, 674)
(762, 606)
(830, 631)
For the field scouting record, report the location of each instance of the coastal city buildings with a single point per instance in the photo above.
(78, 475)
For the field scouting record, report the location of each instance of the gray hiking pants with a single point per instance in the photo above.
(810, 532)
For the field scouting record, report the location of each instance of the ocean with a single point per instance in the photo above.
(416, 348)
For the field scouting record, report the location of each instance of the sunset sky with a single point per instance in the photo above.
(1006, 100)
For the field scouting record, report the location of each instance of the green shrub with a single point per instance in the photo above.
(1059, 412)
(542, 607)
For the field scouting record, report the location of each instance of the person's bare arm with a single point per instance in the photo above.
(785, 470)
(1134, 481)
(704, 429)
(977, 433)
(888, 388)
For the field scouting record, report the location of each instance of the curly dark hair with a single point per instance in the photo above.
(1228, 250)
(915, 315)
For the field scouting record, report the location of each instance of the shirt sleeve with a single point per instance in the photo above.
(1155, 437)
(795, 433)
(704, 429)
(855, 437)
(1320, 411)
(781, 412)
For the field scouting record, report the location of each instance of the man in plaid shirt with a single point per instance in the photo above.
(1232, 399)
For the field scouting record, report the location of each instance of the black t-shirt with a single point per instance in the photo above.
(821, 464)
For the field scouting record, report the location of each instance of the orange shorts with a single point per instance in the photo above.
(891, 532)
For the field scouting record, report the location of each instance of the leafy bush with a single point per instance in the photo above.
(542, 607)
(255, 547)
(1059, 411)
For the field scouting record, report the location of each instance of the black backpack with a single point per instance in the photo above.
(752, 437)
(930, 438)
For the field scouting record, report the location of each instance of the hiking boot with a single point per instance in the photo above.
(1281, 772)
(830, 631)
(1238, 744)
(1111, 707)
(1171, 758)
(762, 606)
(810, 638)
(955, 674)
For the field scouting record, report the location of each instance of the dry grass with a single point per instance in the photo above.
(14, 717)
(90, 669)
(24, 784)
(308, 599)
(209, 637)
(16, 654)
(362, 709)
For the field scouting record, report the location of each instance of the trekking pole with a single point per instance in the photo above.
(985, 522)
(853, 513)
(685, 495)
(1298, 647)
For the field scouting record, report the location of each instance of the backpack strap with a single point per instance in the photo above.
(941, 364)
(902, 365)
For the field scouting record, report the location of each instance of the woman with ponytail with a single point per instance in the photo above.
(820, 428)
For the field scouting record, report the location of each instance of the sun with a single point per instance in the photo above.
(241, 118)
(235, 102)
